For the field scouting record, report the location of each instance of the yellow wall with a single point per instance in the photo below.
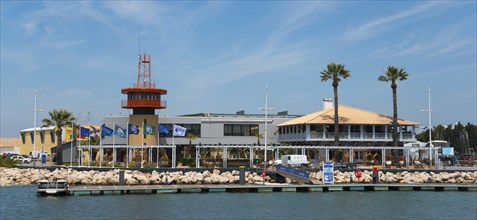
(138, 120)
(27, 146)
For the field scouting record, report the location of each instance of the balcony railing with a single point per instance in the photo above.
(355, 136)
(140, 103)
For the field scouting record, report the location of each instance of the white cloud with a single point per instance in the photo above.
(374, 26)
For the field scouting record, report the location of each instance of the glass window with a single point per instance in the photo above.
(240, 130)
(355, 128)
(52, 136)
(23, 137)
(42, 137)
(31, 137)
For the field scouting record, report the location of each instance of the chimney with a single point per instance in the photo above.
(327, 103)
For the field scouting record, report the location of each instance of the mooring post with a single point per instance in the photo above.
(121, 177)
(242, 175)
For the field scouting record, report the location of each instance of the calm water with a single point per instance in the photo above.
(22, 203)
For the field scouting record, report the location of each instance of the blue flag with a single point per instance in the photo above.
(133, 129)
(105, 131)
(84, 132)
(120, 132)
(163, 129)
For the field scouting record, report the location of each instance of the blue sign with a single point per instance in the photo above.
(328, 173)
(43, 158)
(295, 172)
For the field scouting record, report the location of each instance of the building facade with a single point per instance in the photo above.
(208, 129)
(357, 127)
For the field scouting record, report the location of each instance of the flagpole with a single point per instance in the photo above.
(71, 141)
(114, 150)
(89, 138)
(127, 146)
(142, 144)
(100, 143)
(158, 140)
(78, 146)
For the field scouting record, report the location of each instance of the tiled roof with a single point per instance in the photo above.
(347, 115)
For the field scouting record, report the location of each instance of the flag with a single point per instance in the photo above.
(148, 129)
(133, 129)
(74, 132)
(120, 132)
(105, 131)
(163, 129)
(94, 131)
(84, 132)
(179, 131)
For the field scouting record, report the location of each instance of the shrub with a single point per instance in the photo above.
(8, 162)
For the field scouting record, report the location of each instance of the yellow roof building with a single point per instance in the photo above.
(356, 127)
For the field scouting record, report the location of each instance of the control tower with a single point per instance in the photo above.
(144, 98)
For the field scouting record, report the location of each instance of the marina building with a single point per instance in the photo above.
(357, 127)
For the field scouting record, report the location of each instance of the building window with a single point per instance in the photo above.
(23, 137)
(240, 130)
(32, 138)
(52, 136)
(42, 137)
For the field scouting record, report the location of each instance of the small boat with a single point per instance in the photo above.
(55, 187)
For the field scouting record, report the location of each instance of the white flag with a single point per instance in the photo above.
(179, 131)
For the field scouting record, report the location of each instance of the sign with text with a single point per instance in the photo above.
(328, 176)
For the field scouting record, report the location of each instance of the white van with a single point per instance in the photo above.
(294, 160)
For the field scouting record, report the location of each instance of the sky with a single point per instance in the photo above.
(219, 56)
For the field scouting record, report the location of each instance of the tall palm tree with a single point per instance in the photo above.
(334, 72)
(392, 73)
(59, 118)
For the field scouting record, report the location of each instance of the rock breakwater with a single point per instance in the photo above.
(16, 176)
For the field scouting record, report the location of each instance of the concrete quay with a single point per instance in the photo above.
(253, 188)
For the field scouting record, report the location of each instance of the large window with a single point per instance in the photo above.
(31, 137)
(42, 137)
(23, 137)
(240, 130)
(52, 136)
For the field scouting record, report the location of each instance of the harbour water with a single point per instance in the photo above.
(21, 202)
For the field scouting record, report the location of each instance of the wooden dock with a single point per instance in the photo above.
(158, 189)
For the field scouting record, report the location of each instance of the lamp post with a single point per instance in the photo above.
(429, 110)
(34, 132)
(266, 109)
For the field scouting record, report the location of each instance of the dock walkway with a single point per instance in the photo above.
(157, 189)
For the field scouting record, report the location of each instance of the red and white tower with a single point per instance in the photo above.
(144, 98)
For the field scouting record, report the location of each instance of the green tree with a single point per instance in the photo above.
(258, 136)
(190, 136)
(393, 74)
(59, 118)
(334, 72)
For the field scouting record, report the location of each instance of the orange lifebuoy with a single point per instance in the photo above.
(358, 173)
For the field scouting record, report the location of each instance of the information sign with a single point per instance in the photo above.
(328, 169)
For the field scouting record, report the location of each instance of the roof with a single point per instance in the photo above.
(39, 129)
(347, 115)
(9, 142)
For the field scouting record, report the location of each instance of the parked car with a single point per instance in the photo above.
(22, 158)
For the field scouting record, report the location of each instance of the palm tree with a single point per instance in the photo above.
(190, 136)
(335, 71)
(59, 118)
(392, 73)
(258, 136)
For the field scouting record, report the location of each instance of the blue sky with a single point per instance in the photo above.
(219, 56)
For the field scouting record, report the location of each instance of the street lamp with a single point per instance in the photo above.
(429, 110)
(34, 132)
(266, 109)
